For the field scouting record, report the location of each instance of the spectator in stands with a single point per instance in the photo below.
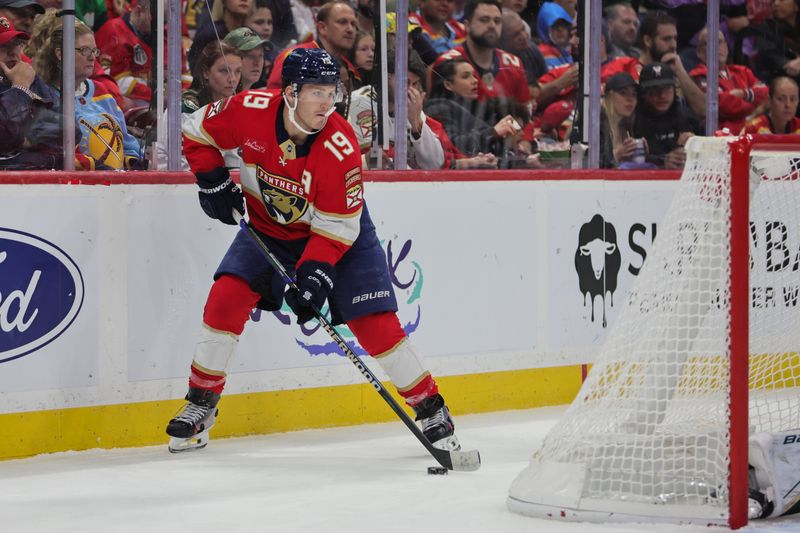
(126, 42)
(778, 41)
(424, 149)
(363, 55)
(499, 73)
(336, 33)
(439, 28)
(516, 39)
(365, 15)
(554, 26)
(659, 40)
(20, 13)
(623, 29)
(93, 13)
(492, 126)
(252, 48)
(283, 28)
(617, 144)
(30, 110)
(216, 75)
(105, 141)
(260, 21)
(740, 92)
(662, 117)
(781, 116)
(226, 16)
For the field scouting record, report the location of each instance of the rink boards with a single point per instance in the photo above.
(102, 284)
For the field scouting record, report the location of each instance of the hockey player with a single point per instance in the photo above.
(301, 175)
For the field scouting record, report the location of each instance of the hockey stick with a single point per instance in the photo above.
(452, 460)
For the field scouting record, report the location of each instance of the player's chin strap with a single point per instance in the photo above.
(293, 108)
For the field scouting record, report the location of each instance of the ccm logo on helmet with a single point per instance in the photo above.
(371, 296)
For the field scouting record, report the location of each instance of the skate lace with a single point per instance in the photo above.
(436, 419)
(192, 413)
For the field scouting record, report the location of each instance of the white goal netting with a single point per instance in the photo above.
(648, 434)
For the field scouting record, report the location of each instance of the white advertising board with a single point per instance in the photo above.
(48, 291)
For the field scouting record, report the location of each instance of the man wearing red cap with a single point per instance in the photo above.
(30, 131)
(20, 13)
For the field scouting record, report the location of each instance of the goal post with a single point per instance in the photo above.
(703, 354)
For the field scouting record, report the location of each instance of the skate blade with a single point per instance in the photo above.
(448, 444)
(197, 442)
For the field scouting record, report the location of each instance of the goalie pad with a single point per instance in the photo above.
(775, 462)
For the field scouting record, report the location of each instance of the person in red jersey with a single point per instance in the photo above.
(740, 92)
(301, 175)
(499, 73)
(336, 33)
(781, 116)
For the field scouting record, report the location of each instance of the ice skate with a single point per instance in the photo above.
(437, 425)
(189, 429)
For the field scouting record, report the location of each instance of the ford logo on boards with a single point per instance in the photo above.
(41, 293)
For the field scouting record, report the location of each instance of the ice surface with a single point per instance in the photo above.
(355, 479)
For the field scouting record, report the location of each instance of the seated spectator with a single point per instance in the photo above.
(617, 144)
(105, 141)
(500, 74)
(781, 116)
(226, 16)
(623, 29)
(424, 149)
(216, 75)
(21, 13)
(252, 48)
(260, 20)
(475, 127)
(662, 118)
(778, 41)
(363, 55)
(659, 40)
(283, 29)
(439, 28)
(514, 6)
(516, 39)
(127, 52)
(30, 110)
(336, 33)
(740, 92)
(554, 26)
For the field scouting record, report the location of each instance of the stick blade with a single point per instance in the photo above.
(462, 461)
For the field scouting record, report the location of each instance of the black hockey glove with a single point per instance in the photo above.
(314, 282)
(219, 195)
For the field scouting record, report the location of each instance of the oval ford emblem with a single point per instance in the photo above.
(41, 293)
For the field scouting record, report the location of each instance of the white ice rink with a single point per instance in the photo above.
(356, 479)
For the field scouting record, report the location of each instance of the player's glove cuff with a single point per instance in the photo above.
(219, 195)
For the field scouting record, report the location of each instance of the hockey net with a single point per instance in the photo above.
(659, 429)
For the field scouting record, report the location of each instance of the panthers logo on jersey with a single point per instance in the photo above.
(285, 200)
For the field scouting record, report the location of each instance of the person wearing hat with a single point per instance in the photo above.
(20, 13)
(662, 118)
(251, 46)
(30, 110)
(617, 144)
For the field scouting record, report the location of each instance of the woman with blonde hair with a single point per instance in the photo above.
(105, 141)
(226, 16)
(617, 144)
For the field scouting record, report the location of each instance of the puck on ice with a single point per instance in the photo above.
(437, 471)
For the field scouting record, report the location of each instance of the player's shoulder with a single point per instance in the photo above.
(336, 123)
(336, 144)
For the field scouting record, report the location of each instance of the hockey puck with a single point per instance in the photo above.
(437, 471)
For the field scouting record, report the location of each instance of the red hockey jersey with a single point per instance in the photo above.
(309, 191)
(506, 78)
(734, 109)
